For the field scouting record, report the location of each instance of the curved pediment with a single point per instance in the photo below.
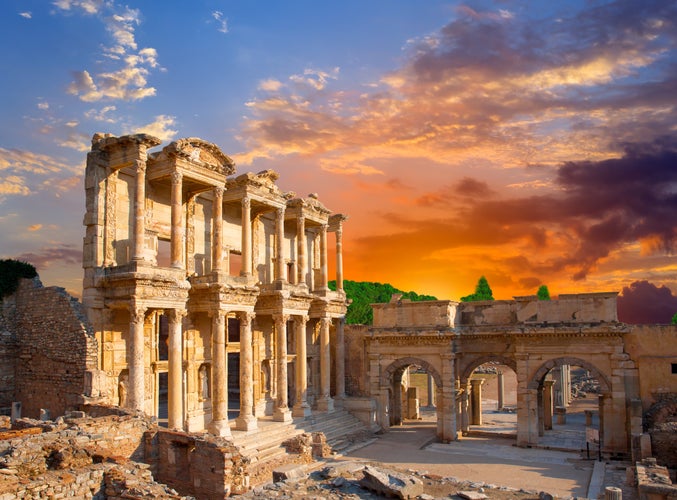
(201, 152)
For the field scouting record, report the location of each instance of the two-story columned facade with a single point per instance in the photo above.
(202, 284)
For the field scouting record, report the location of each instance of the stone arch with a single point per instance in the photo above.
(402, 363)
(660, 412)
(470, 367)
(537, 379)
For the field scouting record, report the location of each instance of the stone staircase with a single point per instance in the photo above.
(264, 447)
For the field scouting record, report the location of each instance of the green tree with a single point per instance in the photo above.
(674, 319)
(364, 293)
(10, 272)
(543, 293)
(482, 292)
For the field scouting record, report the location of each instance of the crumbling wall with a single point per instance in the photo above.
(201, 465)
(355, 360)
(57, 351)
(8, 355)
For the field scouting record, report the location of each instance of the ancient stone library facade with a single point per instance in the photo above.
(203, 286)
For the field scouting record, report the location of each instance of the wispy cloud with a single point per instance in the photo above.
(128, 82)
(160, 128)
(47, 256)
(26, 15)
(222, 22)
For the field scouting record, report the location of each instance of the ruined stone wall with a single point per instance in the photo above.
(57, 350)
(179, 460)
(653, 348)
(356, 364)
(8, 354)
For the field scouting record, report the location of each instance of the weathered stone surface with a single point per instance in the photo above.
(391, 483)
(471, 495)
(289, 471)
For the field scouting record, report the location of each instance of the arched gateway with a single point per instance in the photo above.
(449, 340)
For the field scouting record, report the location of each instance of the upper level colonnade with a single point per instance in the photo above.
(183, 208)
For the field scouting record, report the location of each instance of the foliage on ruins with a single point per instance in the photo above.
(674, 319)
(10, 272)
(364, 293)
(482, 292)
(543, 293)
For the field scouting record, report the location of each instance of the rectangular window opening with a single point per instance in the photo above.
(674, 368)
(164, 253)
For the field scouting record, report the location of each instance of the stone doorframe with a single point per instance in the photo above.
(530, 401)
(464, 384)
(390, 396)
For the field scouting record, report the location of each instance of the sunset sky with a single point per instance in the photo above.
(532, 142)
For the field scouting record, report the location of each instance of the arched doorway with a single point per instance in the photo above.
(399, 390)
(488, 396)
(570, 396)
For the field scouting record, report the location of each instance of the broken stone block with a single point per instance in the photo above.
(391, 483)
(289, 471)
(471, 495)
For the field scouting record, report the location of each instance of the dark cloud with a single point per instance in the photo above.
(599, 207)
(643, 302)
(48, 256)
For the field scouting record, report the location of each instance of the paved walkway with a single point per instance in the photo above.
(492, 457)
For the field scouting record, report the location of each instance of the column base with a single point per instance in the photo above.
(302, 410)
(282, 415)
(246, 423)
(325, 404)
(220, 428)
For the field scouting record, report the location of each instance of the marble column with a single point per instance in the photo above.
(339, 257)
(137, 392)
(177, 216)
(246, 421)
(325, 402)
(465, 410)
(476, 398)
(301, 408)
(219, 424)
(431, 390)
(175, 370)
(501, 390)
(301, 248)
(217, 232)
(246, 237)
(138, 243)
(281, 413)
(324, 273)
(280, 264)
(547, 404)
(340, 361)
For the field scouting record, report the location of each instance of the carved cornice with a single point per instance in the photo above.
(200, 152)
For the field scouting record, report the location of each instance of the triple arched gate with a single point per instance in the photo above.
(451, 357)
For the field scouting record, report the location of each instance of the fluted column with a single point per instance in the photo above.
(246, 421)
(280, 266)
(339, 257)
(246, 237)
(217, 232)
(137, 393)
(175, 370)
(323, 257)
(219, 423)
(177, 219)
(325, 402)
(301, 408)
(340, 359)
(281, 413)
(301, 246)
(139, 211)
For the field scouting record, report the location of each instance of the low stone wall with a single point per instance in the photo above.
(77, 456)
(355, 362)
(664, 444)
(201, 465)
(653, 481)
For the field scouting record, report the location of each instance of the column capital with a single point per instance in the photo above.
(246, 202)
(218, 191)
(137, 313)
(246, 316)
(303, 318)
(280, 318)
(176, 177)
(140, 166)
(176, 314)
